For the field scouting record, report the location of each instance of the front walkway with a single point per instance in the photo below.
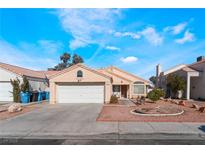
(125, 101)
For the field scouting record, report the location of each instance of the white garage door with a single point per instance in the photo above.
(5, 92)
(80, 93)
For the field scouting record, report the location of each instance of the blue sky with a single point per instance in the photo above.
(135, 40)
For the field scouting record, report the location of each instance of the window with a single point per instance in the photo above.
(139, 88)
(116, 88)
(79, 74)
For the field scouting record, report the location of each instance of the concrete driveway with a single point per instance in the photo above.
(58, 120)
(78, 122)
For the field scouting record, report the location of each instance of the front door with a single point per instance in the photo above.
(124, 91)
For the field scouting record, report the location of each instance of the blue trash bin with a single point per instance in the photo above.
(43, 95)
(47, 95)
(39, 96)
(25, 97)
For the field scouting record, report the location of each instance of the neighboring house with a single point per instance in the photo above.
(81, 84)
(193, 74)
(36, 79)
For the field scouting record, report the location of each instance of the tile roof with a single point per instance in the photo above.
(22, 71)
(188, 69)
(199, 62)
(49, 73)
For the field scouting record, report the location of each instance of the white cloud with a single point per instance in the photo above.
(127, 34)
(188, 37)
(87, 26)
(176, 29)
(152, 36)
(50, 46)
(23, 56)
(112, 48)
(129, 59)
(149, 33)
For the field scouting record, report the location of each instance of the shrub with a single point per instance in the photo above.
(16, 89)
(25, 85)
(113, 99)
(155, 94)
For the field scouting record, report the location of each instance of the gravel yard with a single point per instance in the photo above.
(122, 113)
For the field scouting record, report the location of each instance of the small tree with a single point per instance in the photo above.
(66, 61)
(16, 89)
(25, 85)
(175, 83)
(155, 94)
(153, 79)
(77, 59)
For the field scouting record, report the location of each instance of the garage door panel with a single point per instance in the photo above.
(80, 93)
(5, 92)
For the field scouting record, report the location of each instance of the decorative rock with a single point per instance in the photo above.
(169, 99)
(14, 108)
(182, 103)
(176, 102)
(195, 106)
(202, 109)
(161, 98)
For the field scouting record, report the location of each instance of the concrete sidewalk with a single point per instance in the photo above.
(78, 122)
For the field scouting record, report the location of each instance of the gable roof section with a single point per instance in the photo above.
(174, 69)
(75, 66)
(137, 78)
(188, 69)
(113, 74)
(22, 71)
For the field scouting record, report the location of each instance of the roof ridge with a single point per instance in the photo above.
(18, 67)
(127, 73)
(79, 64)
(21, 70)
(118, 75)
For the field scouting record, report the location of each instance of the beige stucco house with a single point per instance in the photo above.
(193, 74)
(81, 84)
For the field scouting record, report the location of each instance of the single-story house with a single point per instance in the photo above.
(81, 84)
(193, 74)
(76, 84)
(36, 79)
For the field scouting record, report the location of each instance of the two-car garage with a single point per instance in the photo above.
(80, 93)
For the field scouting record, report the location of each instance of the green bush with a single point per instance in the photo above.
(175, 83)
(25, 85)
(155, 94)
(113, 99)
(16, 89)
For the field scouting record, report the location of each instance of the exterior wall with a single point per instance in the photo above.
(88, 77)
(5, 76)
(38, 84)
(198, 83)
